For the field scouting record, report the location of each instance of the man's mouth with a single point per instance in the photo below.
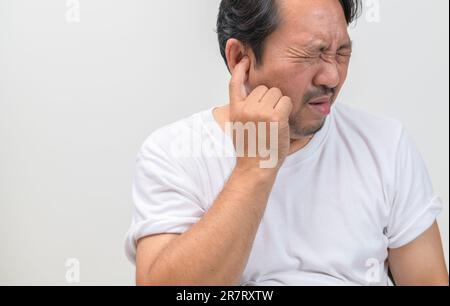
(321, 106)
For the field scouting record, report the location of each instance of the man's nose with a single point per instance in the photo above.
(328, 74)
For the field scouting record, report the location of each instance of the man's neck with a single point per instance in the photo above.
(298, 144)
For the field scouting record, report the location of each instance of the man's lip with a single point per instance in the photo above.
(321, 106)
(324, 99)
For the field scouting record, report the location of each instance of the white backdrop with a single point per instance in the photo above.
(81, 89)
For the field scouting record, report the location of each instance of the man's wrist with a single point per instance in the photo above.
(256, 174)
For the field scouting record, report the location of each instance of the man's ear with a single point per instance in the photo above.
(235, 51)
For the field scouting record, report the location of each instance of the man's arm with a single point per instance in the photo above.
(215, 250)
(421, 262)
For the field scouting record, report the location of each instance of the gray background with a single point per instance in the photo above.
(78, 98)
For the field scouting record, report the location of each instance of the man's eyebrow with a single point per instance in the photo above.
(347, 45)
(319, 44)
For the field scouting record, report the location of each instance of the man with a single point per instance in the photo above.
(348, 197)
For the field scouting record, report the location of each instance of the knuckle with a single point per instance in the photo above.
(274, 117)
(246, 114)
(276, 91)
(262, 115)
(232, 83)
(287, 102)
(287, 99)
(262, 88)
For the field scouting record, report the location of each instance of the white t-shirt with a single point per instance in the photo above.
(357, 189)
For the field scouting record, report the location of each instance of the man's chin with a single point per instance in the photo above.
(299, 131)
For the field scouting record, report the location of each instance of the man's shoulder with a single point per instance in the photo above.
(364, 119)
(367, 124)
(179, 133)
(368, 132)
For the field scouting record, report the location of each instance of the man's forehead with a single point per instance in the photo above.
(310, 10)
(313, 24)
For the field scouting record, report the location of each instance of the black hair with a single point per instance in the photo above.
(252, 21)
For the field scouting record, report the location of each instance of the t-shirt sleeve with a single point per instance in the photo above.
(165, 198)
(415, 205)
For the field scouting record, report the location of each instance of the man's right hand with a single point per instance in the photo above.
(262, 105)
